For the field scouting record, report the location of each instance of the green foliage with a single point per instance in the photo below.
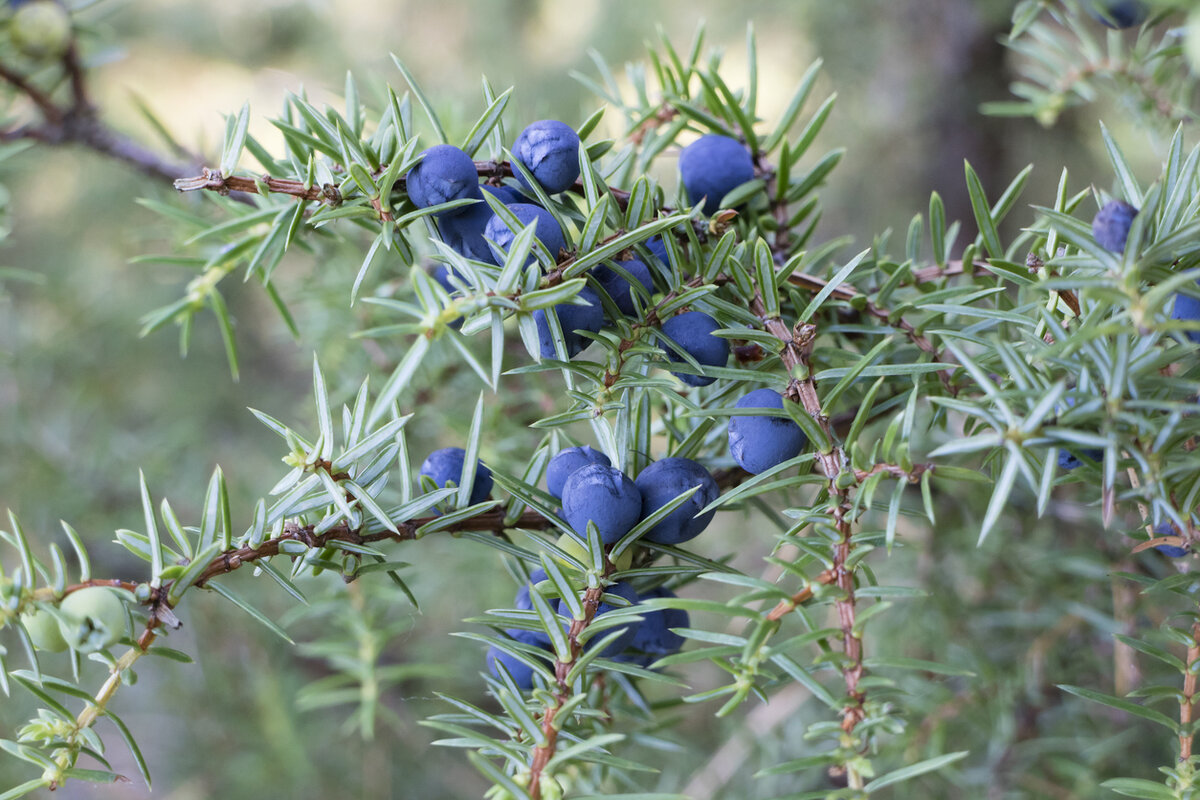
(937, 394)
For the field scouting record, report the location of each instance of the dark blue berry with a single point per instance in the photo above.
(464, 232)
(550, 150)
(1069, 461)
(522, 673)
(1169, 550)
(653, 638)
(620, 289)
(1187, 308)
(603, 495)
(659, 250)
(662, 482)
(713, 166)
(522, 602)
(1119, 14)
(547, 231)
(566, 462)
(445, 173)
(759, 443)
(692, 331)
(571, 318)
(1111, 225)
(446, 465)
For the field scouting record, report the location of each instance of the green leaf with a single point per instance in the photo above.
(1122, 705)
(24, 789)
(422, 100)
(913, 770)
(983, 214)
(399, 379)
(497, 776)
(1136, 787)
(829, 288)
(235, 139)
(252, 611)
(156, 548)
(1129, 184)
(490, 119)
(896, 662)
(136, 751)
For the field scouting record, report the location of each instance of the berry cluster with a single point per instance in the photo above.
(546, 161)
(594, 494)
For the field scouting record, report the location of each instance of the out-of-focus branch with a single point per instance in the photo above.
(76, 121)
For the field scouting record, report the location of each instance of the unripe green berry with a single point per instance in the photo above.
(579, 550)
(44, 631)
(93, 619)
(551, 790)
(41, 29)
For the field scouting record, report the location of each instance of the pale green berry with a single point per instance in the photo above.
(41, 29)
(44, 631)
(93, 619)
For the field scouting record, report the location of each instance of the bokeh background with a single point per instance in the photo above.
(85, 402)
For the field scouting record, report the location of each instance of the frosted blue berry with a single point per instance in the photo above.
(571, 318)
(654, 638)
(620, 289)
(604, 495)
(759, 443)
(446, 465)
(1111, 225)
(662, 482)
(568, 460)
(692, 331)
(445, 173)
(547, 230)
(522, 673)
(713, 166)
(550, 150)
(1187, 308)
(507, 194)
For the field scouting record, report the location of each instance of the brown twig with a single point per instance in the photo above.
(43, 101)
(796, 354)
(785, 607)
(912, 476)
(664, 114)
(214, 181)
(542, 753)
(1187, 705)
(846, 292)
(76, 122)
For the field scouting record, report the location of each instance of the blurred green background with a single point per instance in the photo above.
(85, 403)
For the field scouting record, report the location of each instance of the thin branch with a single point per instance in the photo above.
(44, 103)
(212, 180)
(76, 122)
(1187, 704)
(796, 354)
(544, 752)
